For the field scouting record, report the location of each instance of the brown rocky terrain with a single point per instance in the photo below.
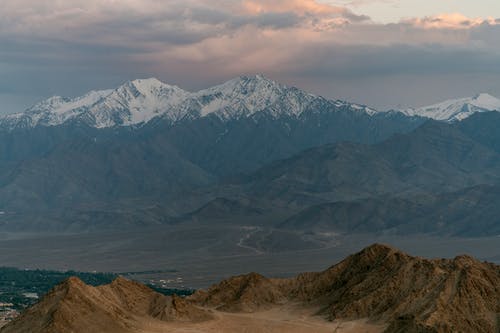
(244, 293)
(122, 306)
(379, 289)
(409, 294)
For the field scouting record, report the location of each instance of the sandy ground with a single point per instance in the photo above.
(278, 320)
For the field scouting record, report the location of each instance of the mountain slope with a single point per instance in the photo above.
(159, 173)
(71, 169)
(409, 294)
(435, 157)
(457, 109)
(470, 212)
(86, 174)
(122, 306)
(482, 128)
(245, 144)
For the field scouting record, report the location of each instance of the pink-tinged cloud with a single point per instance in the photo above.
(314, 15)
(301, 7)
(450, 21)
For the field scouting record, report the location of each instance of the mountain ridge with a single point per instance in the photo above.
(121, 306)
(455, 110)
(139, 101)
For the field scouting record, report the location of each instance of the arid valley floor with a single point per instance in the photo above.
(196, 256)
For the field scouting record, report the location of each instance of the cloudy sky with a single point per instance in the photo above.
(384, 53)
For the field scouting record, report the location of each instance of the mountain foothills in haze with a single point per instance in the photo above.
(379, 289)
(148, 153)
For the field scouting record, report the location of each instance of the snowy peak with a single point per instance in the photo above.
(54, 111)
(247, 95)
(139, 101)
(136, 102)
(132, 103)
(457, 109)
(486, 101)
(149, 87)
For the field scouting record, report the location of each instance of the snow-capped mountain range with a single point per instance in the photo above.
(456, 109)
(139, 101)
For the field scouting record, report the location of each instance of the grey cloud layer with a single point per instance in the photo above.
(196, 43)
